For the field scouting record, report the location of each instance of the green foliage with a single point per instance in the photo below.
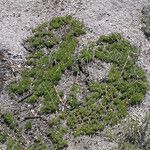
(57, 22)
(72, 102)
(51, 100)
(87, 54)
(48, 67)
(9, 120)
(28, 125)
(77, 28)
(105, 102)
(57, 139)
(13, 145)
(38, 145)
(32, 99)
(54, 122)
(57, 133)
(72, 121)
(3, 136)
(109, 39)
(42, 39)
(49, 107)
(125, 85)
(21, 87)
(135, 134)
(72, 99)
(117, 52)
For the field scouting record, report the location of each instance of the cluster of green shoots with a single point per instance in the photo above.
(106, 102)
(48, 65)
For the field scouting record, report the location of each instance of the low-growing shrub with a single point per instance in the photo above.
(135, 134)
(3, 137)
(105, 102)
(13, 145)
(9, 120)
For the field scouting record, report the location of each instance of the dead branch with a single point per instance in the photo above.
(125, 64)
(35, 117)
(60, 99)
(25, 97)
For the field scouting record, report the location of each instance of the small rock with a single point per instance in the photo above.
(18, 15)
(32, 111)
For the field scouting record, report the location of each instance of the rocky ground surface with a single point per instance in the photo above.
(18, 17)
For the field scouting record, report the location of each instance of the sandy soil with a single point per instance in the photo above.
(17, 17)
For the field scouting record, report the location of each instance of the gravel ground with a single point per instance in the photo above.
(17, 17)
